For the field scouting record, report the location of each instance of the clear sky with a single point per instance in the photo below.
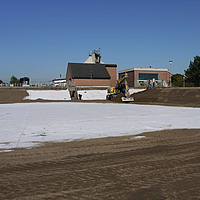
(39, 37)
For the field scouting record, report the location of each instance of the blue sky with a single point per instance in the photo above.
(39, 37)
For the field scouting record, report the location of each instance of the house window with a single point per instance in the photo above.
(148, 76)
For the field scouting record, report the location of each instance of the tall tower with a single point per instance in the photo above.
(94, 57)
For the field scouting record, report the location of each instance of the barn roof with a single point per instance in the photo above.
(84, 70)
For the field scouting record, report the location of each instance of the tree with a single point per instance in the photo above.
(177, 80)
(1, 81)
(193, 73)
(14, 80)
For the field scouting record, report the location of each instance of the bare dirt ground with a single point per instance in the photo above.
(163, 165)
(189, 97)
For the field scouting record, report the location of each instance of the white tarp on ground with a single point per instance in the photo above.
(93, 94)
(131, 91)
(48, 94)
(28, 124)
(100, 94)
(64, 94)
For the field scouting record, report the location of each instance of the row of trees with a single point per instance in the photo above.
(13, 80)
(191, 77)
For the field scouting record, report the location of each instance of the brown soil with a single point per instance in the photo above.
(166, 96)
(164, 165)
(176, 96)
(17, 95)
(12, 96)
(157, 96)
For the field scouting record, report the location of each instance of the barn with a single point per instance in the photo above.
(93, 72)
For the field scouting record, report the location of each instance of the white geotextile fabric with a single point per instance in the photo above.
(64, 94)
(28, 124)
(48, 94)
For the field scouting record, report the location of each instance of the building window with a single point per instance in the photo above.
(147, 76)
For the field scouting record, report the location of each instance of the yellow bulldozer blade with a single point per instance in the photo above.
(128, 99)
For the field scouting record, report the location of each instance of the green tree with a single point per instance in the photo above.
(1, 81)
(14, 80)
(177, 80)
(193, 73)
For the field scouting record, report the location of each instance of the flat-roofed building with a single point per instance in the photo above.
(138, 77)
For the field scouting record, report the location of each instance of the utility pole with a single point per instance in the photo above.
(170, 62)
(183, 81)
(91, 77)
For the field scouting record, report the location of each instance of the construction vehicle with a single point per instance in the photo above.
(121, 88)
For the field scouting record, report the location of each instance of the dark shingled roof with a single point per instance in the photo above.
(83, 70)
(110, 65)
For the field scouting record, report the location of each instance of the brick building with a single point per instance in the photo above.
(138, 77)
(93, 72)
